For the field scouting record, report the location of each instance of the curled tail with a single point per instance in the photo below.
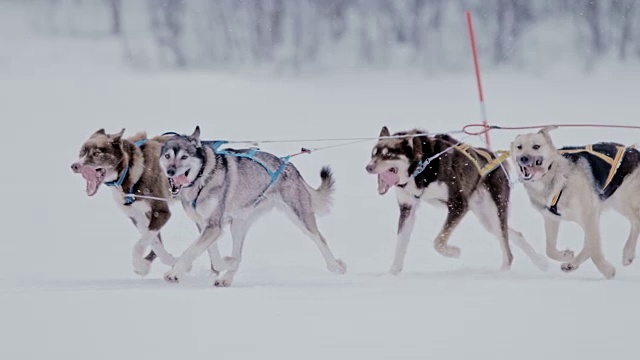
(321, 197)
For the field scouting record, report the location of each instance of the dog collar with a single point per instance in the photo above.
(128, 199)
(120, 179)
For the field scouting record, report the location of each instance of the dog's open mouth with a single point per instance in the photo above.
(387, 179)
(94, 177)
(529, 171)
(177, 182)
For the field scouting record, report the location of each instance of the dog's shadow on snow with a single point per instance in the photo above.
(351, 280)
(485, 274)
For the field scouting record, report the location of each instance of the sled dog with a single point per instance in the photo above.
(455, 179)
(219, 187)
(130, 167)
(576, 184)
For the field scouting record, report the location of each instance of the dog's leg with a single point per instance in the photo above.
(239, 229)
(298, 207)
(158, 217)
(405, 228)
(629, 252)
(156, 244)
(493, 216)
(551, 228)
(207, 237)
(217, 263)
(457, 208)
(592, 248)
(141, 265)
(518, 239)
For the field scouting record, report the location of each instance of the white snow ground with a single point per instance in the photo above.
(67, 289)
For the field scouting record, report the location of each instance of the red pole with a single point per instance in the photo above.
(483, 109)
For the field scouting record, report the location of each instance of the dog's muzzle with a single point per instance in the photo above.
(177, 182)
(529, 166)
(386, 179)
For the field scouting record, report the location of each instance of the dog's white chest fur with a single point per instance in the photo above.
(437, 193)
(137, 211)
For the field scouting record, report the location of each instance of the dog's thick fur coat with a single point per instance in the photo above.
(226, 188)
(450, 180)
(570, 187)
(106, 158)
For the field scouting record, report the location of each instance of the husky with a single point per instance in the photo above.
(452, 179)
(219, 187)
(130, 167)
(576, 184)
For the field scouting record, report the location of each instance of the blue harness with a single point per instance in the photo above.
(128, 199)
(251, 155)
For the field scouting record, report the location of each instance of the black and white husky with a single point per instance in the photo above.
(577, 184)
(235, 187)
(452, 179)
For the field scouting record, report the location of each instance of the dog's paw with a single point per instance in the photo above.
(395, 270)
(141, 266)
(608, 271)
(223, 281)
(627, 259)
(450, 251)
(224, 264)
(173, 275)
(566, 255)
(339, 267)
(568, 267)
(541, 263)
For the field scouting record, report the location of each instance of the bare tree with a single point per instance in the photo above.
(116, 16)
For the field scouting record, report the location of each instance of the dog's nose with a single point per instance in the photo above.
(370, 168)
(524, 159)
(171, 172)
(75, 167)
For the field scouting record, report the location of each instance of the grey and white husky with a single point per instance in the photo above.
(130, 167)
(235, 187)
(452, 179)
(577, 184)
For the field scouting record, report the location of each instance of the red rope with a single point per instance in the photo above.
(485, 129)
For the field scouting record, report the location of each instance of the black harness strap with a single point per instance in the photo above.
(553, 207)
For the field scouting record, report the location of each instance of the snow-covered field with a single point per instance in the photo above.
(67, 289)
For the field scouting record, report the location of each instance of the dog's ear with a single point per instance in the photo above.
(117, 137)
(417, 146)
(99, 132)
(195, 137)
(384, 132)
(545, 132)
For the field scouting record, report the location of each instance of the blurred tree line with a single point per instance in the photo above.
(294, 35)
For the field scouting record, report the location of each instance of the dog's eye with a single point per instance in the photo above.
(184, 157)
(536, 147)
(166, 156)
(519, 147)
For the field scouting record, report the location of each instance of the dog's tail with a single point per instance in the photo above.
(321, 197)
(138, 137)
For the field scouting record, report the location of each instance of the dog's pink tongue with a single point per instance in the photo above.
(180, 180)
(90, 176)
(386, 180)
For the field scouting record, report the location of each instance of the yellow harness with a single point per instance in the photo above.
(613, 162)
(491, 162)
